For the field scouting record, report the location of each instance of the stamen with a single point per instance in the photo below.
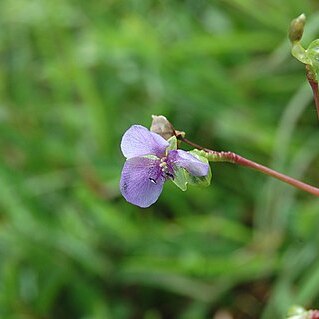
(164, 168)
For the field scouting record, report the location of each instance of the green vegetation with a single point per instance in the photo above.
(74, 75)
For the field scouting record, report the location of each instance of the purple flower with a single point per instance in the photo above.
(150, 163)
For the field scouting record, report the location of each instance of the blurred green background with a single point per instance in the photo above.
(74, 75)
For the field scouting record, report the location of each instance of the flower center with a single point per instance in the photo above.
(163, 165)
(166, 170)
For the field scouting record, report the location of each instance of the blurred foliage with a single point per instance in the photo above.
(74, 75)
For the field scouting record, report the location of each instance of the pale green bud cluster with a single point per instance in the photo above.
(297, 312)
(309, 56)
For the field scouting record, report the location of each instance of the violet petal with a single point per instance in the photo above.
(193, 165)
(141, 181)
(139, 141)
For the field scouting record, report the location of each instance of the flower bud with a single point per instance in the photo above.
(297, 312)
(162, 126)
(296, 28)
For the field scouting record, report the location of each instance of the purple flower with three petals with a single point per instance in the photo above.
(149, 163)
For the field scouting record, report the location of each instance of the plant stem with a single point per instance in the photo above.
(231, 157)
(314, 86)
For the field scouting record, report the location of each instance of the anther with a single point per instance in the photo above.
(152, 180)
(170, 175)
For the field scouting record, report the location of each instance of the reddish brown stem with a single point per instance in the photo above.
(314, 314)
(231, 157)
(314, 86)
(186, 141)
(289, 180)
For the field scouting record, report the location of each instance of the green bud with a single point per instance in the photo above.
(295, 34)
(296, 28)
(297, 312)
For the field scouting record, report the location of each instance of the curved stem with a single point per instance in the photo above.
(314, 86)
(231, 157)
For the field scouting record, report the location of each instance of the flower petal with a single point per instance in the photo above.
(139, 141)
(141, 181)
(193, 165)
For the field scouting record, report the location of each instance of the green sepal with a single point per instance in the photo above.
(202, 181)
(182, 177)
(313, 56)
(300, 53)
(310, 56)
(172, 144)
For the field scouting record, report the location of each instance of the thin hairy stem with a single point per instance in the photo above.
(231, 157)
